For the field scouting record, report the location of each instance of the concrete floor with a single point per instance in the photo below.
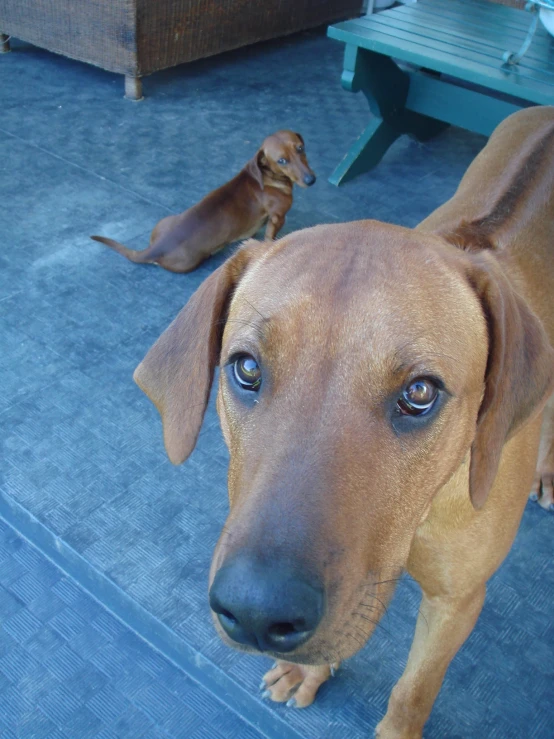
(84, 476)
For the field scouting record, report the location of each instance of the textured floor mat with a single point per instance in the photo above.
(81, 446)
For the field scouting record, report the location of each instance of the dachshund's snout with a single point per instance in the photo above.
(265, 606)
(309, 179)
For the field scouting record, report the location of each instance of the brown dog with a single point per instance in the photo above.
(380, 392)
(261, 193)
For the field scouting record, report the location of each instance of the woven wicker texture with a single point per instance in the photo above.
(138, 37)
(101, 32)
(170, 32)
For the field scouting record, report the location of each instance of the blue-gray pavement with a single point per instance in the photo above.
(68, 668)
(83, 470)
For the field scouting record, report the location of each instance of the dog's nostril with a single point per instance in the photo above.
(228, 616)
(243, 601)
(284, 629)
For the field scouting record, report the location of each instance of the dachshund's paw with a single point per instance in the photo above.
(296, 685)
(543, 488)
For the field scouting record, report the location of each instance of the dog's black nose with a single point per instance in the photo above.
(309, 179)
(266, 607)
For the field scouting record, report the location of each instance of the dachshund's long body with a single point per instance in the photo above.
(260, 194)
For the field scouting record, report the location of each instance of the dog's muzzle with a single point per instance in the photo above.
(265, 606)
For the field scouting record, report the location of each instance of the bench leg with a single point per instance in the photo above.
(422, 127)
(133, 88)
(366, 152)
(4, 43)
(386, 87)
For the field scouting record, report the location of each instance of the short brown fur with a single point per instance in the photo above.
(324, 471)
(260, 194)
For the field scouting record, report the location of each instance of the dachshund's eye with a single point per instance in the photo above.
(418, 398)
(282, 161)
(300, 149)
(247, 372)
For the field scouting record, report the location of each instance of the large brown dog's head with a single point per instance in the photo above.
(282, 157)
(361, 364)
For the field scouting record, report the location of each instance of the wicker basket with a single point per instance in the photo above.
(138, 37)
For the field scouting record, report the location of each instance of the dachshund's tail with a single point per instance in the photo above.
(139, 257)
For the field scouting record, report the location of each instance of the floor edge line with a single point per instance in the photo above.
(135, 617)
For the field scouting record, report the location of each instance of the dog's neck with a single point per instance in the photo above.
(272, 179)
(497, 214)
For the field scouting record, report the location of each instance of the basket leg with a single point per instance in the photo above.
(133, 88)
(4, 43)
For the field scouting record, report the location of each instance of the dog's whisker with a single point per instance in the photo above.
(366, 618)
(382, 582)
(370, 606)
(257, 330)
(257, 311)
(243, 321)
(372, 595)
(377, 624)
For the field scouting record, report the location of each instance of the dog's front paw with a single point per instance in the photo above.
(296, 685)
(387, 730)
(543, 488)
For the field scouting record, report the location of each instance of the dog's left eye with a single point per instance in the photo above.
(418, 398)
(282, 161)
(300, 149)
(247, 372)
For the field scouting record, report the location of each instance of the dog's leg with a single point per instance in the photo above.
(543, 485)
(274, 225)
(454, 553)
(444, 623)
(296, 685)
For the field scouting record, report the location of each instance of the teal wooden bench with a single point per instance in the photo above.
(413, 61)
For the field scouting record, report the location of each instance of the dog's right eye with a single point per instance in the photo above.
(282, 161)
(247, 372)
(418, 398)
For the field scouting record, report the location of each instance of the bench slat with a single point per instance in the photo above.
(509, 82)
(488, 55)
(453, 71)
(477, 11)
(490, 36)
(489, 32)
(470, 109)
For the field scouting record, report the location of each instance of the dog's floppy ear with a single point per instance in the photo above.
(519, 376)
(300, 137)
(177, 372)
(254, 167)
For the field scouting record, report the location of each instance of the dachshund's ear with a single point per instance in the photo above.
(177, 372)
(300, 137)
(520, 371)
(254, 167)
